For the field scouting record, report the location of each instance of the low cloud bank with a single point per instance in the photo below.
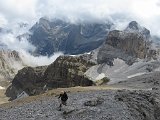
(33, 61)
(10, 41)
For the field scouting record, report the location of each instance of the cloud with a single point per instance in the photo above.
(13, 43)
(24, 48)
(18, 9)
(120, 12)
(3, 21)
(33, 61)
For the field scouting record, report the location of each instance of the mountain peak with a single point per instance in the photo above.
(49, 36)
(134, 25)
(124, 44)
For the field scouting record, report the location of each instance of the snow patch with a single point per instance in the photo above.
(2, 88)
(100, 76)
(137, 74)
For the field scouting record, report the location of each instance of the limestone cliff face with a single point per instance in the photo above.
(128, 45)
(66, 71)
(10, 63)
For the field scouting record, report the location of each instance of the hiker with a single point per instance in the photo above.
(63, 97)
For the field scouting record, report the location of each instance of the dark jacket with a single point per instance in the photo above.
(63, 97)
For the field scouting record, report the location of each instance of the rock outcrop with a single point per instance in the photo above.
(66, 71)
(28, 80)
(124, 54)
(135, 27)
(128, 45)
(50, 36)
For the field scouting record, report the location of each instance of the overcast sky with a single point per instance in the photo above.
(146, 12)
(120, 12)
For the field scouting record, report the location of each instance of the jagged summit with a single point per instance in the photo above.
(128, 45)
(134, 26)
(50, 36)
(125, 53)
(66, 71)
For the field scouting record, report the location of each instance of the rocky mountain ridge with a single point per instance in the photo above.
(124, 54)
(126, 57)
(50, 36)
(10, 63)
(133, 26)
(66, 71)
(128, 45)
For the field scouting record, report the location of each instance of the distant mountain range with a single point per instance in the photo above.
(96, 52)
(116, 58)
(50, 36)
(125, 62)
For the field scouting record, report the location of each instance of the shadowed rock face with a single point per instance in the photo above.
(66, 71)
(128, 45)
(50, 36)
(29, 80)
